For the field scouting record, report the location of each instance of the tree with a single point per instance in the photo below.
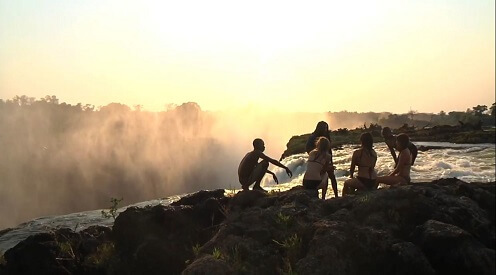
(411, 114)
(23, 100)
(51, 99)
(492, 110)
(442, 113)
(88, 107)
(479, 110)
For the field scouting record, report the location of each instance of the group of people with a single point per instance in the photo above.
(320, 166)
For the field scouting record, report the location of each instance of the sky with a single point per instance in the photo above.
(297, 56)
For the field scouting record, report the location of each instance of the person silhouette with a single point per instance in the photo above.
(365, 159)
(322, 130)
(317, 166)
(390, 141)
(251, 171)
(401, 172)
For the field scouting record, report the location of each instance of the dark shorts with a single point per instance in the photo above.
(311, 184)
(368, 183)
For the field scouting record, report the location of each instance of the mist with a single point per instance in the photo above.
(58, 158)
(61, 158)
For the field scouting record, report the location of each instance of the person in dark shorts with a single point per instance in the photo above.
(317, 165)
(322, 130)
(390, 140)
(365, 158)
(251, 171)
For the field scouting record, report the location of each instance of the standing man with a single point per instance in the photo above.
(322, 130)
(390, 141)
(251, 171)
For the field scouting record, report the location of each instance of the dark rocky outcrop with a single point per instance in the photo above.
(439, 133)
(60, 252)
(160, 239)
(443, 227)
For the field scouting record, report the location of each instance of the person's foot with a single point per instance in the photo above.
(259, 189)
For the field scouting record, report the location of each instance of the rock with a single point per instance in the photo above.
(439, 133)
(407, 258)
(424, 148)
(35, 255)
(160, 239)
(199, 197)
(451, 250)
(59, 252)
(442, 227)
(246, 198)
(208, 265)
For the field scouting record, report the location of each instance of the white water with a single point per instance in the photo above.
(468, 162)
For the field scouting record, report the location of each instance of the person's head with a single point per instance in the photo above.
(322, 128)
(258, 144)
(386, 132)
(367, 140)
(402, 141)
(323, 144)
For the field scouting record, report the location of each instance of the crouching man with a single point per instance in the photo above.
(251, 171)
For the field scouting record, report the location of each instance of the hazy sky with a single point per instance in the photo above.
(307, 56)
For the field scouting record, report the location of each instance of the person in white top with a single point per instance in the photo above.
(318, 164)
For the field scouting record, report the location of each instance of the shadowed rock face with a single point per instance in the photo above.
(440, 133)
(60, 252)
(443, 227)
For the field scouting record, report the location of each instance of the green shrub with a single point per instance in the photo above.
(102, 255)
(112, 212)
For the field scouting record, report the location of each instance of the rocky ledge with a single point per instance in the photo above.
(439, 133)
(442, 227)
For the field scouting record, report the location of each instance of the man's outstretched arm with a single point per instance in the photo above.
(276, 163)
(273, 176)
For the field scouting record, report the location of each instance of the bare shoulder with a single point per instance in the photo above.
(356, 153)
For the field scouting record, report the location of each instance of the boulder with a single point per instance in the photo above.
(208, 265)
(160, 239)
(452, 250)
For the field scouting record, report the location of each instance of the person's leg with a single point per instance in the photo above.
(259, 173)
(334, 183)
(245, 183)
(391, 180)
(351, 184)
(414, 155)
(323, 185)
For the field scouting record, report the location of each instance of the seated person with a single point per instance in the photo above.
(365, 158)
(401, 173)
(318, 164)
(251, 171)
(322, 130)
(390, 140)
